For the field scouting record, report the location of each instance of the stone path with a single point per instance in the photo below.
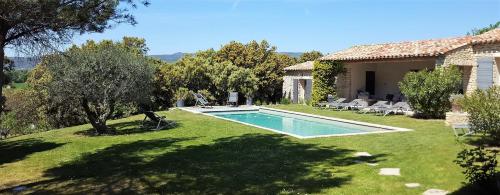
(389, 171)
(396, 172)
(412, 185)
(362, 154)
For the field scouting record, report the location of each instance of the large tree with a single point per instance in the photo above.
(98, 77)
(310, 56)
(29, 25)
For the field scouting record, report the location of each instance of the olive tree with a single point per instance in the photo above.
(28, 25)
(99, 77)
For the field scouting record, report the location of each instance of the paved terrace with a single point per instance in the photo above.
(197, 109)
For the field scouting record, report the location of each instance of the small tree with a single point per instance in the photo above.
(98, 77)
(324, 79)
(428, 92)
(483, 108)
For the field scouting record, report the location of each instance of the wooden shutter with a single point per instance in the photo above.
(484, 72)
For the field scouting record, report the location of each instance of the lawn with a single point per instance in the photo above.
(205, 155)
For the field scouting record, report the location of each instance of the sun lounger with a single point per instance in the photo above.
(336, 103)
(377, 107)
(201, 100)
(355, 104)
(330, 99)
(399, 107)
(232, 99)
(463, 126)
(159, 120)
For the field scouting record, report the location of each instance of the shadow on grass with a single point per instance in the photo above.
(248, 164)
(481, 140)
(131, 127)
(12, 151)
(491, 188)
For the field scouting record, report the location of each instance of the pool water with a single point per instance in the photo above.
(295, 125)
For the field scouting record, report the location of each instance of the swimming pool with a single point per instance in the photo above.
(302, 125)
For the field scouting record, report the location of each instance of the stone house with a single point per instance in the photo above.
(373, 71)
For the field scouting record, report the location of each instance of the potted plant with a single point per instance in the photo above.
(456, 102)
(180, 95)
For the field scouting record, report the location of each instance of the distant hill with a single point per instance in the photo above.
(170, 57)
(292, 54)
(24, 63)
(176, 56)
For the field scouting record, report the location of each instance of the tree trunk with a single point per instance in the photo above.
(99, 124)
(2, 74)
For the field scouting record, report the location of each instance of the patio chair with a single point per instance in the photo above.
(356, 104)
(464, 126)
(379, 106)
(201, 100)
(232, 99)
(156, 119)
(329, 99)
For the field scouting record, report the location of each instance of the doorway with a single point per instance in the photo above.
(370, 82)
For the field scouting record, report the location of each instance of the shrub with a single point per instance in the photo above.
(285, 101)
(324, 74)
(479, 165)
(483, 108)
(428, 92)
(24, 113)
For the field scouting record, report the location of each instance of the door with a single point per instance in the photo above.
(295, 91)
(484, 72)
(370, 82)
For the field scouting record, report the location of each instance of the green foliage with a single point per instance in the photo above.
(324, 74)
(25, 113)
(244, 81)
(98, 77)
(479, 31)
(182, 93)
(310, 56)
(483, 108)
(479, 164)
(17, 76)
(428, 92)
(253, 69)
(285, 101)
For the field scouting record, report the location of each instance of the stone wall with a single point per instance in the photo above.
(463, 56)
(466, 57)
(456, 118)
(288, 80)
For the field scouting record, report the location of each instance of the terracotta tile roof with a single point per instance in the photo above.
(302, 66)
(422, 48)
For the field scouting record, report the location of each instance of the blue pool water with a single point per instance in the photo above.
(297, 125)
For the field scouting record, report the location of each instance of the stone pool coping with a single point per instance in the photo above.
(207, 111)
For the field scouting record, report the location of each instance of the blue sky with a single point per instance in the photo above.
(299, 25)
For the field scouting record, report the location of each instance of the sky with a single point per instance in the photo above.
(171, 26)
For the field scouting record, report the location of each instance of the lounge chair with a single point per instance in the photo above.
(356, 104)
(330, 99)
(156, 119)
(463, 126)
(233, 99)
(399, 107)
(201, 100)
(377, 107)
(337, 103)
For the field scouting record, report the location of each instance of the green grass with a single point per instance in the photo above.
(205, 155)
